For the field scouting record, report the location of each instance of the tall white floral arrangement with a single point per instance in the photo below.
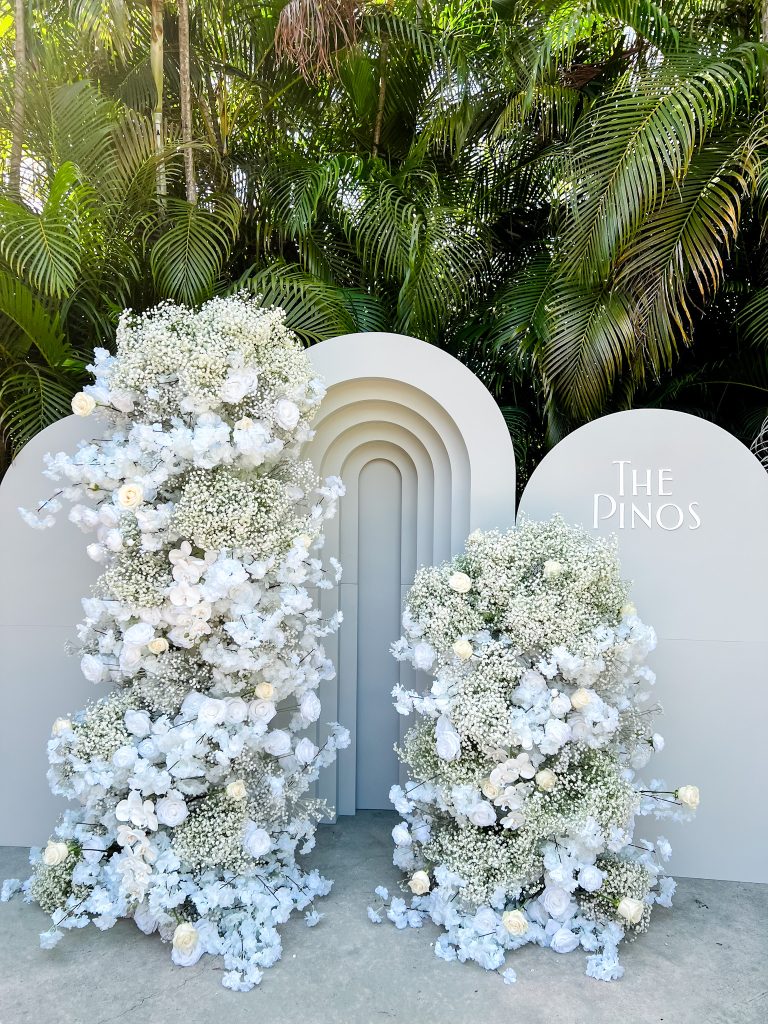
(518, 818)
(192, 773)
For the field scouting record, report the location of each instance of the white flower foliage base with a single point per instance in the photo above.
(192, 775)
(518, 818)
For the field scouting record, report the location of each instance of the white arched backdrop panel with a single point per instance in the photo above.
(44, 574)
(688, 503)
(426, 457)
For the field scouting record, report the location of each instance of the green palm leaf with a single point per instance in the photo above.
(754, 319)
(313, 309)
(589, 336)
(638, 141)
(30, 324)
(31, 398)
(189, 245)
(677, 258)
(44, 248)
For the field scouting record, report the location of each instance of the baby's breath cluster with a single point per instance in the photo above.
(223, 508)
(212, 835)
(518, 817)
(192, 773)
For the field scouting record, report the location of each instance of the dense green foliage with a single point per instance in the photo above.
(569, 196)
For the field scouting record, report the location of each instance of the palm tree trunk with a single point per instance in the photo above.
(185, 81)
(382, 96)
(156, 56)
(20, 73)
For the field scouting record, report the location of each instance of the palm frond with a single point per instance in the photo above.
(313, 309)
(589, 337)
(33, 325)
(754, 319)
(44, 248)
(188, 246)
(637, 143)
(31, 398)
(677, 258)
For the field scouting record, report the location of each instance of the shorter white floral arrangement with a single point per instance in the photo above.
(192, 773)
(519, 815)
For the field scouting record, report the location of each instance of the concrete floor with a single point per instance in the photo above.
(704, 962)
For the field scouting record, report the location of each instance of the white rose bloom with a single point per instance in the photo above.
(61, 725)
(265, 691)
(688, 796)
(483, 815)
(447, 742)
(463, 650)
(546, 780)
(564, 941)
(657, 741)
(114, 540)
(560, 705)
(145, 919)
(515, 922)
(238, 384)
(305, 751)
(130, 495)
(237, 790)
(556, 735)
(138, 723)
(310, 706)
(261, 711)
(130, 657)
(460, 582)
(158, 646)
(423, 656)
(93, 668)
(55, 853)
(278, 743)
(401, 835)
(286, 413)
(628, 610)
(140, 634)
(125, 757)
(236, 711)
(485, 921)
(258, 841)
(580, 698)
(556, 902)
(187, 947)
(631, 909)
(489, 789)
(552, 568)
(211, 712)
(419, 883)
(590, 878)
(171, 809)
(82, 404)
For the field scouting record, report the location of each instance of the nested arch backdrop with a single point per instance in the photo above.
(426, 457)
